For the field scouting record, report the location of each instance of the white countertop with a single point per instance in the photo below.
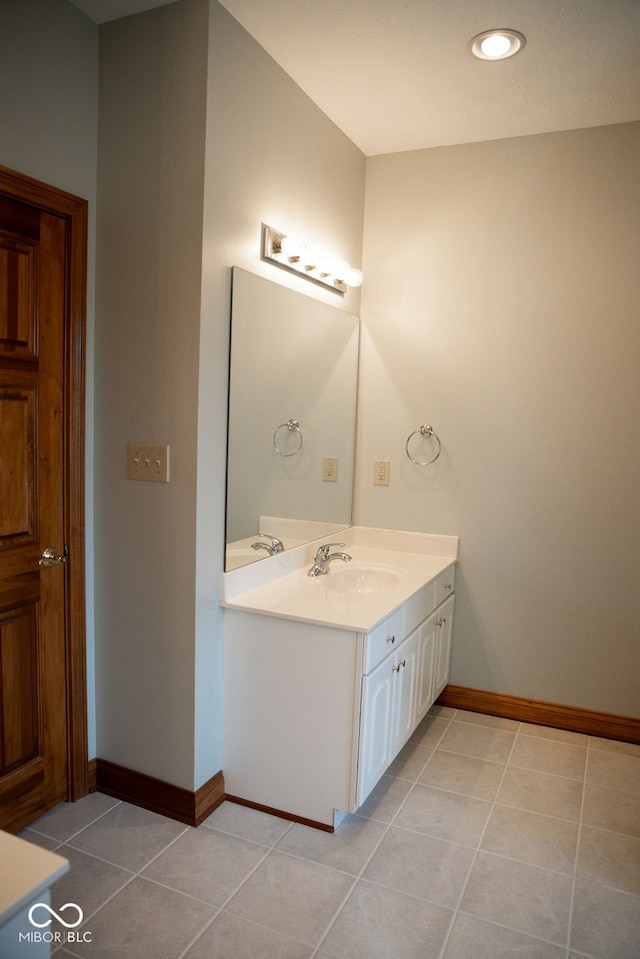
(280, 586)
(26, 871)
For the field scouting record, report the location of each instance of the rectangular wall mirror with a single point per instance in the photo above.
(292, 410)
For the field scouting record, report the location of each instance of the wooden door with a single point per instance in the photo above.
(42, 685)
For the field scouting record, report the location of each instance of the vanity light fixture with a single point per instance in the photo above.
(292, 253)
(497, 44)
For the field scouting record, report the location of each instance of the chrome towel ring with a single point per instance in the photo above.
(424, 430)
(294, 427)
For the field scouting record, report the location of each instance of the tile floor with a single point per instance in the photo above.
(487, 839)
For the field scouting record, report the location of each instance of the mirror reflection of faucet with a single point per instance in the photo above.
(324, 557)
(274, 545)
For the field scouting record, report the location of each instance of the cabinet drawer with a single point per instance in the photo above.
(383, 639)
(419, 606)
(445, 584)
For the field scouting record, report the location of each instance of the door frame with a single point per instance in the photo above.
(74, 211)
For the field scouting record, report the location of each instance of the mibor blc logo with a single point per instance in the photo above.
(41, 915)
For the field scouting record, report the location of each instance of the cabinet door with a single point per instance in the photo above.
(444, 625)
(425, 673)
(405, 671)
(375, 731)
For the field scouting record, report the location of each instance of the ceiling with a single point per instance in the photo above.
(396, 75)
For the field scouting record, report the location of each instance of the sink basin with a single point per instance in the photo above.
(359, 579)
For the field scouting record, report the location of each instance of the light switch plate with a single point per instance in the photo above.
(148, 462)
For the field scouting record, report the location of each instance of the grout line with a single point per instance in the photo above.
(456, 908)
(82, 828)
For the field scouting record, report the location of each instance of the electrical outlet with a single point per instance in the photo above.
(381, 472)
(146, 462)
(329, 469)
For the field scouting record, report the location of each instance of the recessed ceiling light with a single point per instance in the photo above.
(496, 44)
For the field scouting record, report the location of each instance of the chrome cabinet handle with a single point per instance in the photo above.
(396, 669)
(391, 639)
(49, 557)
(448, 585)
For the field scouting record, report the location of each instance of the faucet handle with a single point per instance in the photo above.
(324, 549)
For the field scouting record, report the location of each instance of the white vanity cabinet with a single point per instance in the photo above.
(315, 712)
(387, 713)
(398, 692)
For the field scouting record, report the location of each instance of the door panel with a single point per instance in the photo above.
(33, 695)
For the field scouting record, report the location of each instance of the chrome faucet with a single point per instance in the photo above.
(324, 557)
(274, 546)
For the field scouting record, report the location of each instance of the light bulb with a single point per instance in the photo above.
(291, 246)
(495, 46)
(354, 277)
(324, 265)
(309, 258)
(340, 270)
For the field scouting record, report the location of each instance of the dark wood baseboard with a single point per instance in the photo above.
(280, 813)
(590, 722)
(158, 796)
(92, 775)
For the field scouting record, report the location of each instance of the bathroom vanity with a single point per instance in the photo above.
(26, 874)
(327, 677)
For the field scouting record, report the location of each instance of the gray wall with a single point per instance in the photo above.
(501, 306)
(151, 183)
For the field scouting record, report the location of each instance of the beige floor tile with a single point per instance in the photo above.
(380, 923)
(547, 756)
(541, 792)
(522, 897)
(613, 770)
(295, 898)
(385, 799)
(444, 815)
(206, 864)
(89, 882)
(128, 836)
(532, 838)
(38, 839)
(420, 866)
(605, 923)
(445, 712)
(66, 820)
(430, 731)
(348, 849)
(612, 809)
(473, 938)
(463, 774)
(146, 921)
(483, 742)
(247, 823)
(609, 858)
(483, 719)
(557, 735)
(614, 746)
(229, 937)
(410, 762)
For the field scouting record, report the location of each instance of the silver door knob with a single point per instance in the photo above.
(49, 557)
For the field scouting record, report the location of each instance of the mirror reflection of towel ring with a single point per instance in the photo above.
(424, 430)
(294, 427)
